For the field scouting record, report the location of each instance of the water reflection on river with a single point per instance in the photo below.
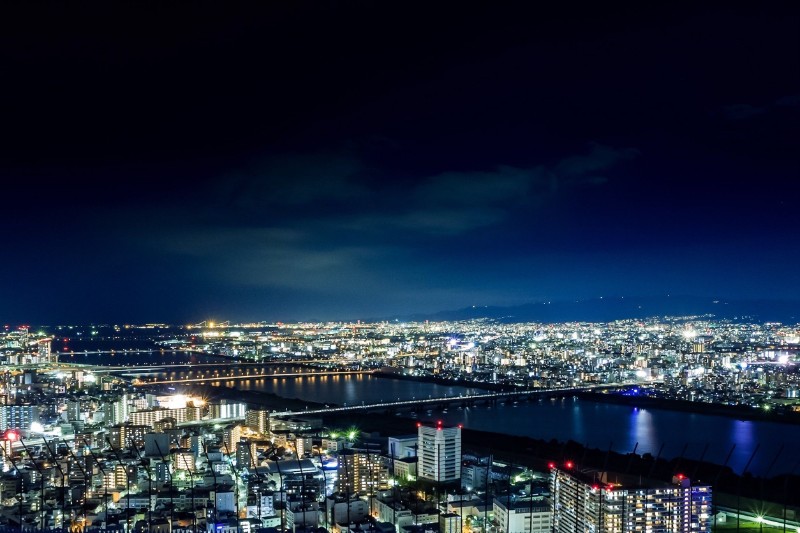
(596, 424)
(601, 425)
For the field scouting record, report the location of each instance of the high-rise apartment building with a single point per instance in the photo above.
(74, 410)
(149, 417)
(231, 436)
(45, 352)
(601, 502)
(258, 420)
(439, 452)
(227, 409)
(6, 444)
(184, 461)
(362, 471)
(126, 436)
(246, 454)
(117, 412)
(18, 416)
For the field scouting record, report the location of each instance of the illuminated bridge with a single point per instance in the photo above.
(143, 369)
(127, 351)
(232, 377)
(464, 398)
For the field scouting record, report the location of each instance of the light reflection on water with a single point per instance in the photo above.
(598, 425)
(595, 424)
(642, 430)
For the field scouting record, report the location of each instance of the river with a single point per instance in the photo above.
(595, 424)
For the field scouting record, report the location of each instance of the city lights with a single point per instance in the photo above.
(366, 267)
(632, 359)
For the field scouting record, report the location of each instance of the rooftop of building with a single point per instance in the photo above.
(292, 466)
(478, 503)
(524, 504)
(437, 425)
(618, 480)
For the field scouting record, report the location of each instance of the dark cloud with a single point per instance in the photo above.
(456, 202)
(366, 248)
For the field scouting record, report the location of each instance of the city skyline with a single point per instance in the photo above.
(360, 162)
(663, 424)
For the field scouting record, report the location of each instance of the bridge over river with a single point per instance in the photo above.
(466, 399)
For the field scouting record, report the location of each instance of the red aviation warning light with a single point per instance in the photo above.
(551, 465)
(569, 464)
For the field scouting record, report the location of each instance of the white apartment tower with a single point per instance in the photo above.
(601, 502)
(439, 452)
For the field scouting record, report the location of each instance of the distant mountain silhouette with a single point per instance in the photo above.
(607, 309)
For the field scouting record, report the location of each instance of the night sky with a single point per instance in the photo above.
(346, 160)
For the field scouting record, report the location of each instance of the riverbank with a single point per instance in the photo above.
(536, 454)
(254, 399)
(494, 387)
(740, 412)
